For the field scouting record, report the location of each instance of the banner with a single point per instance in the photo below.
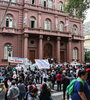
(42, 64)
(15, 60)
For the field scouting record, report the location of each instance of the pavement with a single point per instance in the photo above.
(56, 95)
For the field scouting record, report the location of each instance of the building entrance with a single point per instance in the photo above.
(32, 56)
(62, 58)
(48, 51)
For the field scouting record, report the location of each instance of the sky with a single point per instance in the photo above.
(87, 16)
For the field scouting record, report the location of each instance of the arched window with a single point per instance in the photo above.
(61, 6)
(8, 51)
(32, 22)
(9, 21)
(47, 24)
(50, 3)
(75, 54)
(75, 30)
(61, 27)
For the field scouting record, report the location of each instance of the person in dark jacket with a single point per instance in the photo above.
(45, 93)
(22, 89)
(65, 82)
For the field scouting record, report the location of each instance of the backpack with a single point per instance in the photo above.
(71, 85)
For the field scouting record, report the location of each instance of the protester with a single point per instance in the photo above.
(45, 93)
(65, 81)
(13, 92)
(59, 81)
(22, 89)
(2, 91)
(33, 92)
(78, 91)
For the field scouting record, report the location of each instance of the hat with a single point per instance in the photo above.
(13, 82)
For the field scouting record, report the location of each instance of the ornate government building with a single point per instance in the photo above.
(37, 29)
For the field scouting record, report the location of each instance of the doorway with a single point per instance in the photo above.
(48, 51)
(62, 58)
(32, 56)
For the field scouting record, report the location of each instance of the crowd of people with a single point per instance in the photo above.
(20, 85)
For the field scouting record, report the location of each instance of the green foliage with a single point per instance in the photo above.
(79, 5)
(87, 56)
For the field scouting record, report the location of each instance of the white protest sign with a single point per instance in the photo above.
(42, 64)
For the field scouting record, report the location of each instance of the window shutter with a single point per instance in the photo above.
(50, 3)
(61, 6)
(61, 27)
(48, 25)
(45, 25)
(10, 22)
(5, 52)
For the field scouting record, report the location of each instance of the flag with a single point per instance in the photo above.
(25, 19)
(66, 25)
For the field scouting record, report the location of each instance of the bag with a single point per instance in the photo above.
(71, 85)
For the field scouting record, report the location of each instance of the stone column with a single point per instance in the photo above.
(58, 49)
(40, 47)
(69, 53)
(25, 45)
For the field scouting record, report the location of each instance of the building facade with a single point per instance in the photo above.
(87, 41)
(37, 29)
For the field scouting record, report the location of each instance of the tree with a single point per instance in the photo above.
(79, 6)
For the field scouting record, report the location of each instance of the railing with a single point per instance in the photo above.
(5, 3)
(77, 37)
(46, 32)
(10, 30)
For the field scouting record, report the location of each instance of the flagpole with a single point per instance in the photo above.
(5, 13)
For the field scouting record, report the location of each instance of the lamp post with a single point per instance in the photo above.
(9, 48)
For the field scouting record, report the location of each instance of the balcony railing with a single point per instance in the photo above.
(46, 32)
(5, 3)
(10, 30)
(77, 37)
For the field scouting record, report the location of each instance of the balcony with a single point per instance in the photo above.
(10, 30)
(12, 4)
(46, 32)
(77, 37)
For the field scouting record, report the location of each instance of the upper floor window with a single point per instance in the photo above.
(32, 2)
(75, 12)
(13, 1)
(75, 30)
(50, 3)
(45, 3)
(75, 54)
(61, 6)
(33, 22)
(47, 24)
(9, 21)
(8, 51)
(61, 26)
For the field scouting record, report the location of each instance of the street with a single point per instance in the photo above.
(55, 94)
